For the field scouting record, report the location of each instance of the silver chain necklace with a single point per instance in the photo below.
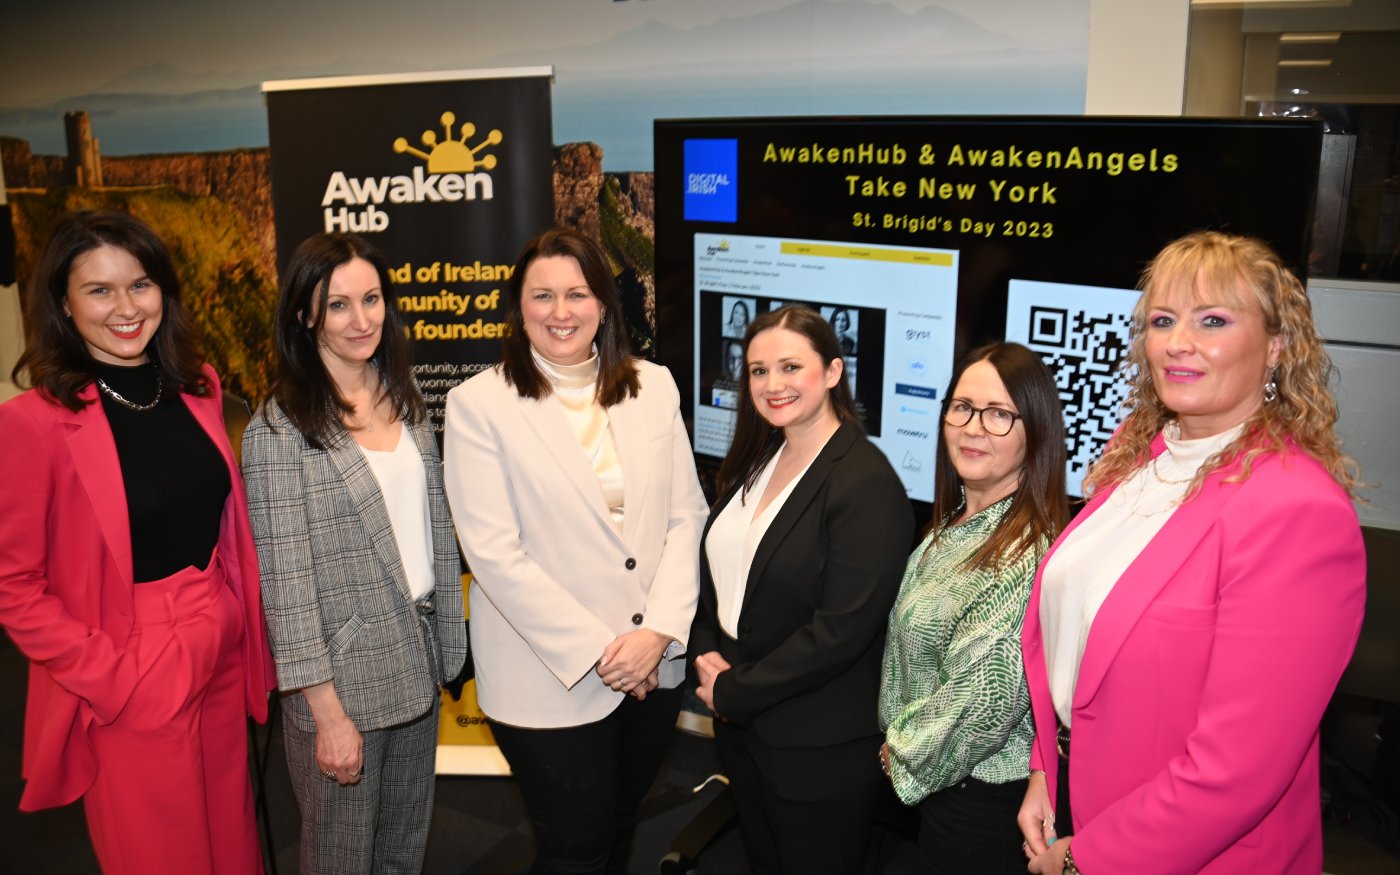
(131, 405)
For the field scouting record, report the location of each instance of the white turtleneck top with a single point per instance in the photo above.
(1084, 569)
(576, 388)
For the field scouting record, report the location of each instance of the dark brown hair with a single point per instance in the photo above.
(617, 372)
(56, 360)
(755, 441)
(1040, 508)
(302, 386)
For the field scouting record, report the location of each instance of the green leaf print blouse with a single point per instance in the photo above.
(953, 699)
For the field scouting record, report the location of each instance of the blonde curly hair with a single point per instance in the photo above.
(1239, 272)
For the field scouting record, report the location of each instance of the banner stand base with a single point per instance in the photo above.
(471, 759)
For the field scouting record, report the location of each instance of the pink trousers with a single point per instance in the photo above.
(172, 792)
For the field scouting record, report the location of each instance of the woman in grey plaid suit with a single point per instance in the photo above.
(360, 573)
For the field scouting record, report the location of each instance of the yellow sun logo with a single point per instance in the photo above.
(452, 155)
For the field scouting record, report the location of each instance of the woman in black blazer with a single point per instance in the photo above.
(800, 565)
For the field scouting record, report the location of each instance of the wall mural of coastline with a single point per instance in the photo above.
(180, 134)
(214, 210)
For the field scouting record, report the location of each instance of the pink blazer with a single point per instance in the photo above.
(66, 580)
(1205, 675)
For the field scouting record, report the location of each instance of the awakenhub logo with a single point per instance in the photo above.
(712, 180)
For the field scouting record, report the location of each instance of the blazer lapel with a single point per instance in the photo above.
(1144, 579)
(365, 497)
(208, 413)
(444, 545)
(233, 525)
(632, 439)
(94, 452)
(802, 495)
(546, 418)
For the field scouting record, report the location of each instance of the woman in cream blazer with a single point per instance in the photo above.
(574, 494)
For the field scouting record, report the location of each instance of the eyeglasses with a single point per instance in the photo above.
(997, 421)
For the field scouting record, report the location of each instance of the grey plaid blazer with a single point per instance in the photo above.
(336, 596)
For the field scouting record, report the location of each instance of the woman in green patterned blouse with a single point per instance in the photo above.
(953, 700)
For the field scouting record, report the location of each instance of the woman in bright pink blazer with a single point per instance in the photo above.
(128, 575)
(1186, 632)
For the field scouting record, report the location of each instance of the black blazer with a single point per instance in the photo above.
(806, 665)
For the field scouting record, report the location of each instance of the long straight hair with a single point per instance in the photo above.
(303, 387)
(56, 360)
(1040, 506)
(755, 441)
(617, 371)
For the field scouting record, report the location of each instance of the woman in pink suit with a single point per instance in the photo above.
(127, 570)
(1186, 631)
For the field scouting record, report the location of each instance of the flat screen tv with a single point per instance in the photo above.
(921, 238)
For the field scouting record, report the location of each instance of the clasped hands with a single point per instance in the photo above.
(629, 664)
(1037, 822)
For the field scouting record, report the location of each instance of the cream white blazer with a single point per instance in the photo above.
(553, 583)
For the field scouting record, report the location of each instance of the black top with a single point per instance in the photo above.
(176, 480)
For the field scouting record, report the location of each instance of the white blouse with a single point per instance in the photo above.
(404, 485)
(734, 538)
(1086, 566)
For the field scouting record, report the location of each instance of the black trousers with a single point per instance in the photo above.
(1064, 816)
(803, 811)
(971, 827)
(582, 784)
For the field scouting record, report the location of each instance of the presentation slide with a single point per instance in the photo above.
(893, 309)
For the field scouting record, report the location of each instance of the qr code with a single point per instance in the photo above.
(1082, 335)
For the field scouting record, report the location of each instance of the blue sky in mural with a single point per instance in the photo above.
(166, 76)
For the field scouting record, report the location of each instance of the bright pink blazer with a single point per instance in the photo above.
(1205, 675)
(66, 580)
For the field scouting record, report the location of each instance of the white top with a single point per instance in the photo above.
(404, 485)
(734, 538)
(1086, 566)
(576, 387)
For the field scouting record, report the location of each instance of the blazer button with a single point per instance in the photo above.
(636, 619)
(745, 629)
(630, 563)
